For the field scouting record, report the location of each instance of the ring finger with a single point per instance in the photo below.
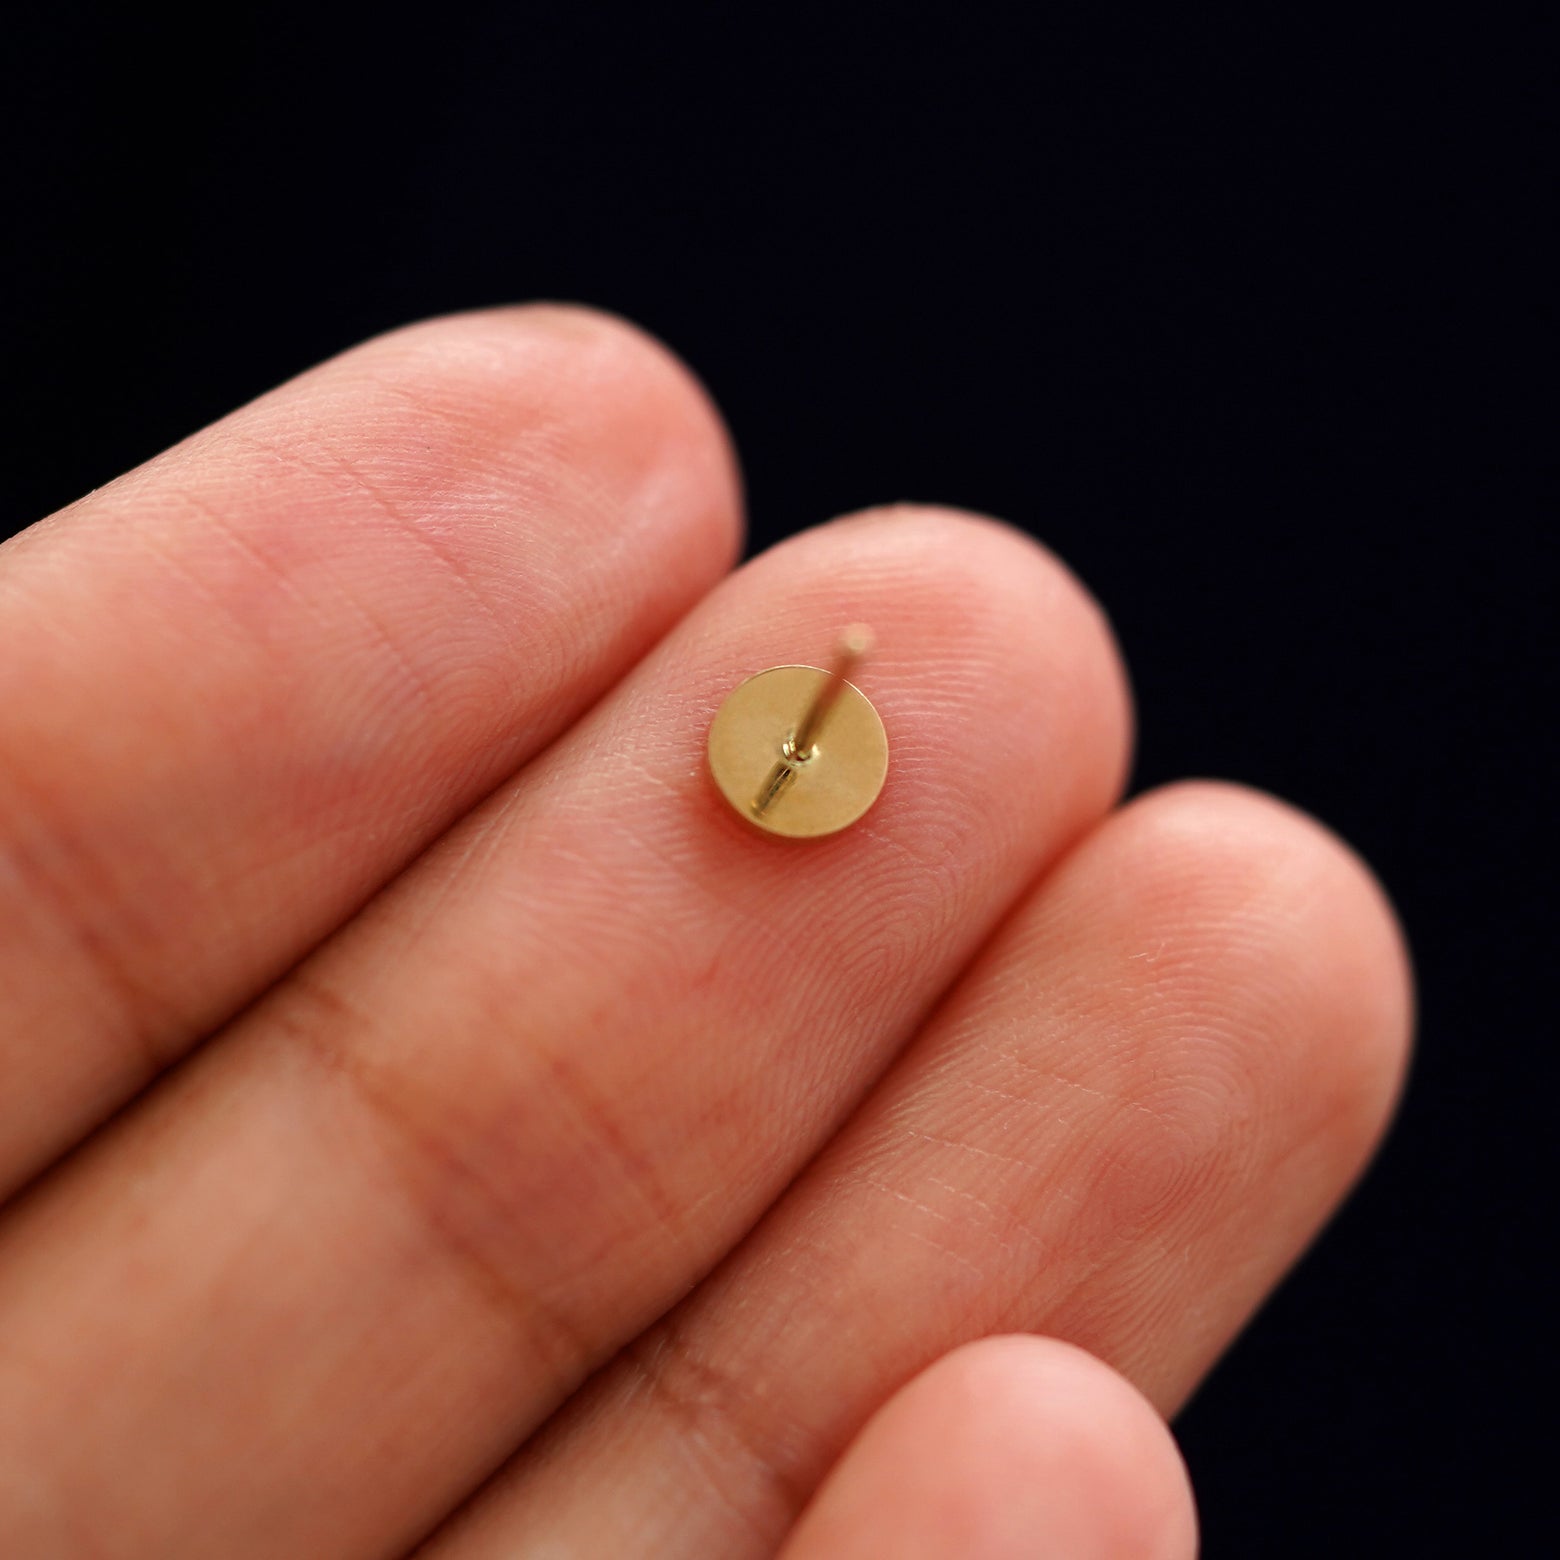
(1119, 1129)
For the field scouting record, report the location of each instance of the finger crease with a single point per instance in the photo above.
(719, 1415)
(566, 1352)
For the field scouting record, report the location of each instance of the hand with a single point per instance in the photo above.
(486, 1094)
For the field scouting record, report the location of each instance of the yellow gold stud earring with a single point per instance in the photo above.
(798, 750)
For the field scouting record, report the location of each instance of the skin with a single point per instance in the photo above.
(437, 1123)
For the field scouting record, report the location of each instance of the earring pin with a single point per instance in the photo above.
(799, 750)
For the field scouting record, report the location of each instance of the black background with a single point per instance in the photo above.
(1238, 314)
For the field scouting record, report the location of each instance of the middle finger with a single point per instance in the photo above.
(339, 1266)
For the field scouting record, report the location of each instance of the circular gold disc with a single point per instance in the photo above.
(833, 788)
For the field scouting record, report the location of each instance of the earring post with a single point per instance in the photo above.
(800, 745)
(854, 644)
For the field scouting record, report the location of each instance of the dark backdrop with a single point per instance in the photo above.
(1235, 314)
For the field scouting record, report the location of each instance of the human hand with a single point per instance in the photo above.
(580, 1128)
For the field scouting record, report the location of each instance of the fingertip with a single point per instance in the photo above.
(620, 393)
(969, 538)
(1267, 876)
(1007, 1447)
(1005, 591)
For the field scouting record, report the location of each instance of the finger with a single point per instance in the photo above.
(1119, 1129)
(245, 684)
(545, 1080)
(1004, 1450)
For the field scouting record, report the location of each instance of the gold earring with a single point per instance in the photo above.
(798, 750)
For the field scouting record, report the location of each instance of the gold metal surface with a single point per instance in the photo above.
(798, 750)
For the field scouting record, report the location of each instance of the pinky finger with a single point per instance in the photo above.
(1003, 1450)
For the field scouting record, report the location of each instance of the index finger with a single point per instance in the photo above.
(245, 684)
